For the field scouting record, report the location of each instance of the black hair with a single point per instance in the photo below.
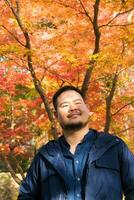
(64, 89)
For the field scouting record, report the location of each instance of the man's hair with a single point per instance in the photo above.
(64, 89)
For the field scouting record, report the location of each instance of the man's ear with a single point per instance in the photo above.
(87, 105)
(90, 113)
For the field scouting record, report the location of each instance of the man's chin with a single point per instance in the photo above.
(73, 126)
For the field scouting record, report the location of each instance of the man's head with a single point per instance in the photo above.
(71, 110)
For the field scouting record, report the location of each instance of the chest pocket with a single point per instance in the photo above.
(109, 160)
(47, 172)
(50, 175)
(51, 172)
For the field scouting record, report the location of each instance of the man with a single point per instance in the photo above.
(83, 164)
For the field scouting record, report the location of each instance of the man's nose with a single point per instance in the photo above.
(72, 107)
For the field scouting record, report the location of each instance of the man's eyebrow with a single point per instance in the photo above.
(63, 102)
(78, 100)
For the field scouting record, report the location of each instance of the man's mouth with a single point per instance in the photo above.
(74, 114)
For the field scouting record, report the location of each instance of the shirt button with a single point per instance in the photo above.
(78, 195)
(77, 161)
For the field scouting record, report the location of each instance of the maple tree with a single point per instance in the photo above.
(47, 44)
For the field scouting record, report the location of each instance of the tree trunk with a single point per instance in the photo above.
(108, 104)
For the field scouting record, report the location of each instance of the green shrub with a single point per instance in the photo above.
(8, 188)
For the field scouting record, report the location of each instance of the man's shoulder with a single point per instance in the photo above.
(102, 134)
(50, 147)
(50, 142)
(104, 138)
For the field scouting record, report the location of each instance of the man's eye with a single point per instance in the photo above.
(78, 102)
(64, 105)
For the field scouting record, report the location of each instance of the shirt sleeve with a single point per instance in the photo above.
(127, 172)
(30, 187)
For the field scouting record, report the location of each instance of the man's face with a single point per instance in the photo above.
(72, 112)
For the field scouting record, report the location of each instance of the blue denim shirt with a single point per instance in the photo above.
(75, 164)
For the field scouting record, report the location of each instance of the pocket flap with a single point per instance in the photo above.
(109, 162)
(51, 172)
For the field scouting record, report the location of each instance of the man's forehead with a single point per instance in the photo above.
(69, 94)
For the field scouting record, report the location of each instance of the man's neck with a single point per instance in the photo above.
(75, 137)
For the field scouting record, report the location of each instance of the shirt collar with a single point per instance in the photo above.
(88, 137)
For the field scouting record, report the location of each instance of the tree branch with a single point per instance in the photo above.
(87, 79)
(20, 170)
(82, 4)
(97, 34)
(123, 107)
(17, 7)
(16, 16)
(36, 82)
(96, 27)
(69, 6)
(120, 25)
(10, 169)
(13, 36)
(109, 99)
(39, 89)
(57, 75)
(46, 68)
(132, 127)
(118, 14)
